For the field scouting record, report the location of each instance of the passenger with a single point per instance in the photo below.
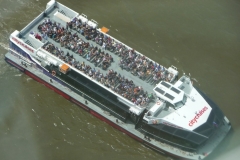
(73, 42)
(88, 56)
(37, 36)
(136, 90)
(104, 45)
(45, 37)
(73, 60)
(93, 70)
(90, 74)
(169, 77)
(70, 25)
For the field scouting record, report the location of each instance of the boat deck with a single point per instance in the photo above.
(147, 83)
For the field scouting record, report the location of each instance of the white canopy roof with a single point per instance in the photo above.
(41, 55)
(52, 61)
(83, 18)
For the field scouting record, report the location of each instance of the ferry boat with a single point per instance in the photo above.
(69, 54)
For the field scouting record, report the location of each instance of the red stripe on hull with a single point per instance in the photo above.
(79, 104)
(47, 84)
(15, 65)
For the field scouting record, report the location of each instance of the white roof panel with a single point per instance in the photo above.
(168, 92)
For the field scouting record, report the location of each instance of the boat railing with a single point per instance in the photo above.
(83, 18)
(92, 23)
(174, 67)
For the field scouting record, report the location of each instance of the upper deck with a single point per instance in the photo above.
(60, 35)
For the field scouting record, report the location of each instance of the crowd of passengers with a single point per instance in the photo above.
(130, 60)
(112, 79)
(74, 43)
(139, 65)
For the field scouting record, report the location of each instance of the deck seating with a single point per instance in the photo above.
(130, 60)
(126, 54)
(112, 79)
(73, 42)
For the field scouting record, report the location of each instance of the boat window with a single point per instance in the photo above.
(175, 90)
(169, 96)
(182, 87)
(178, 105)
(184, 99)
(159, 90)
(181, 103)
(165, 84)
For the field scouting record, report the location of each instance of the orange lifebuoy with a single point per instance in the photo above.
(158, 103)
(53, 73)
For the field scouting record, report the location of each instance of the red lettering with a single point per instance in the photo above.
(198, 115)
(22, 44)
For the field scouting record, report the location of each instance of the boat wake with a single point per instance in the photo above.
(18, 75)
